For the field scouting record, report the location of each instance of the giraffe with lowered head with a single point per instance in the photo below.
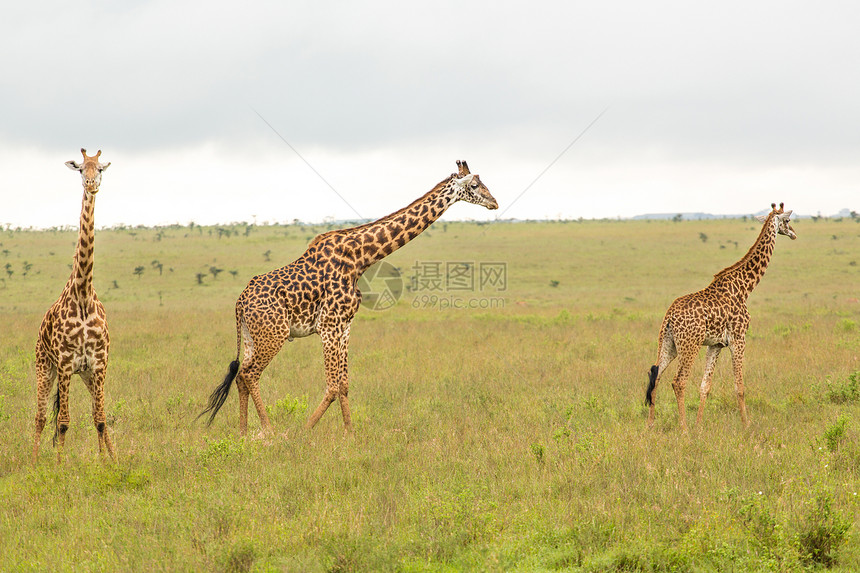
(715, 317)
(73, 337)
(317, 293)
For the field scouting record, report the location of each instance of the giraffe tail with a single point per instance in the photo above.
(652, 383)
(56, 415)
(219, 395)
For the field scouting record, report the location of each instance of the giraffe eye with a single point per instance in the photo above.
(474, 185)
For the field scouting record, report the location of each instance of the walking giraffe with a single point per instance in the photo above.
(317, 293)
(73, 338)
(715, 317)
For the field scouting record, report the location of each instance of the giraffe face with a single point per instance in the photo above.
(783, 221)
(472, 190)
(91, 171)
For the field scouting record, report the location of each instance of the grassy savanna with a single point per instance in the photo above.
(507, 433)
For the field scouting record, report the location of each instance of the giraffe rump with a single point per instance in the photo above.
(219, 395)
(652, 383)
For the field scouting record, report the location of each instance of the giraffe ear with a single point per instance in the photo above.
(761, 218)
(463, 181)
(786, 214)
(73, 165)
(104, 166)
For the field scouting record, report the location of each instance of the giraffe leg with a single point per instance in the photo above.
(95, 384)
(248, 382)
(711, 356)
(679, 384)
(334, 352)
(343, 386)
(243, 403)
(46, 374)
(667, 355)
(64, 378)
(737, 347)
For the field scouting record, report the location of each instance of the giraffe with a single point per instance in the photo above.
(715, 317)
(317, 293)
(73, 337)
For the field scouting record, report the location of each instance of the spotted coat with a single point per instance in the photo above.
(73, 337)
(715, 317)
(317, 294)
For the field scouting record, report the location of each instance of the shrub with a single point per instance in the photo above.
(821, 532)
(846, 391)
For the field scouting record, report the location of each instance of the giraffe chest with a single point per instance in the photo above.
(79, 340)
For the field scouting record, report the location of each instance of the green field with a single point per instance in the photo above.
(497, 427)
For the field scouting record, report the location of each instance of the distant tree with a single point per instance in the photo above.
(27, 266)
(266, 255)
(9, 270)
(234, 272)
(677, 218)
(139, 271)
(115, 284)
(157, 265)
(703, 237)
(200, 277)
(6, 252)
(215, 271)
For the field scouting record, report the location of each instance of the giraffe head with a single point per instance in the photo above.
(470, 189)
(783, 220)
(91, 171)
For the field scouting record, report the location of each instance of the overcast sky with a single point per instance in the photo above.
(206, 109)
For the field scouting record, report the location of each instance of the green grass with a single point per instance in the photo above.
(500, 438)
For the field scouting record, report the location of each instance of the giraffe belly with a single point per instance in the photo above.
(720, 339)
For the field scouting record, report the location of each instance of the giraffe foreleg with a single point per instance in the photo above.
(61, 410)
(711, 356)
(334, 354)
(46, 374)
(737, 346)
(95, 384)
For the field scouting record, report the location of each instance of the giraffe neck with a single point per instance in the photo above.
(381, 238)
(747, 272)
(82, 271)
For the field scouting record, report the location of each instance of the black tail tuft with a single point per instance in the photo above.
(56, 414)
(219, 395)
(652, 383)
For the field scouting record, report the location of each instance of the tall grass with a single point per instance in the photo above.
(506, 438)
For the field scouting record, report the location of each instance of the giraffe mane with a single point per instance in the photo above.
(439, 186)
(764, 228)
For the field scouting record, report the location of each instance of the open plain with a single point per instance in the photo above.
(498, 408)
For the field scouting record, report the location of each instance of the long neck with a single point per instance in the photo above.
(747, 272)
(381, 238)
(82, 272)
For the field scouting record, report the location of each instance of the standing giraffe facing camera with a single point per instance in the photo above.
(317, 293)
(715, 317)
(73, 337)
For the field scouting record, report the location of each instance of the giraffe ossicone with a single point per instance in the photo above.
(317, 294)
(715, 317)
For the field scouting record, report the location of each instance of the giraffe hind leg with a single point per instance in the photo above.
(711, 356)
(679, 384)
(666, 355)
